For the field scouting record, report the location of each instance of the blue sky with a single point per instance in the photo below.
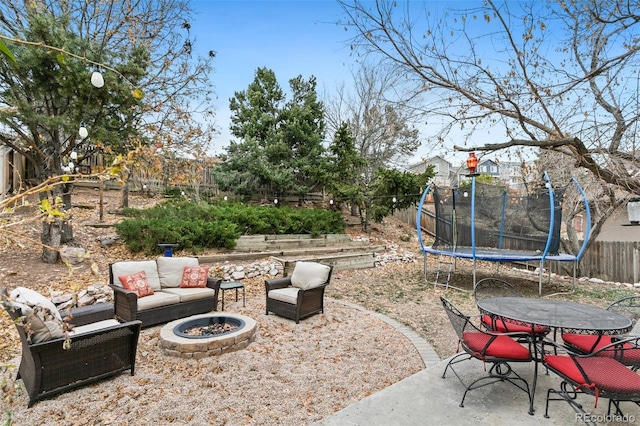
(291, 37)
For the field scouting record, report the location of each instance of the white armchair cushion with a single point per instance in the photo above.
(129, 267)
(43, 321)
(287, 295)
(33, 298)
(170, 269)
(94, 326)
(307, 275)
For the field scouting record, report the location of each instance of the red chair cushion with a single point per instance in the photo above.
(506, 326)
(606, 374)
(502, 347)
(586, 342)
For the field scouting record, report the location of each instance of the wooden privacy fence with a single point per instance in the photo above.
(616, 261)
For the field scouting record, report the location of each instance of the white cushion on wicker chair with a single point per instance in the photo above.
(149, 267)
(170, 269)
(94, 326)
(189, 294)
(158, 298)
(308, 275)
(33, 298)
(41, 315)
(287, 295)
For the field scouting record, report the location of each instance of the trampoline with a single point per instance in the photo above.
(494, 223)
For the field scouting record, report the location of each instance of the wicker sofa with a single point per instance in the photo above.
(98, 346)
(301, 294)
(169, 300)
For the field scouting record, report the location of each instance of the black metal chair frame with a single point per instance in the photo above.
(569, 389)
(628, 306)
(494, 287)
(500, 370)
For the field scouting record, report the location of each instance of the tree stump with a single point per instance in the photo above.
(51, 240)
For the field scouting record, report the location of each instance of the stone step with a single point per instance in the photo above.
(336, 250)
(282, 242)
(338, 261)
(309, 252)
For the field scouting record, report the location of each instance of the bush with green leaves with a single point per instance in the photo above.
(196, 227)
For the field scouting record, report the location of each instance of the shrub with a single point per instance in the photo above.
(200, 226)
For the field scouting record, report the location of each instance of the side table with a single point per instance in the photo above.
(230, 286)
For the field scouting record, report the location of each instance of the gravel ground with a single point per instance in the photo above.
(291, 375)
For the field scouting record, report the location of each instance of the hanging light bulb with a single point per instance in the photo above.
(96, 79)
(83, 132)
(74, 155)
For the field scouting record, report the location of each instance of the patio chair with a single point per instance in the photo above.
(495, 287)
(604, 373)
(97, 347)
(299, 295)
(497, 349)
(585, 343)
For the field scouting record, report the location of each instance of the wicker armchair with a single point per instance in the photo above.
(94, 351)
(299, 295)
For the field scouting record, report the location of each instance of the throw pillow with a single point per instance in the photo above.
(137, 282)
(127, 267)
(194, 277)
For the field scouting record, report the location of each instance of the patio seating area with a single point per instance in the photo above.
(331, 336)
(588, 349)
(600, 387)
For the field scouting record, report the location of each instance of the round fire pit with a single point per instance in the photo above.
(205, 335)
(209, 326)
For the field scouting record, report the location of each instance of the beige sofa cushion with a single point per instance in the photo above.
(159, 298)
(287, 295)
(170, 269)
(308, 275)
(188, 294)
(129, 267)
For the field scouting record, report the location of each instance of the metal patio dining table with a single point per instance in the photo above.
(569, 317)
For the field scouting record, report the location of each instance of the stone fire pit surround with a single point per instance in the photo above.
(183, 347)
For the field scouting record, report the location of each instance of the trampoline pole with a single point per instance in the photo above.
(424, 265)
(540, 277)
(474, 273)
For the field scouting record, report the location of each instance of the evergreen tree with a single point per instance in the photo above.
(279, 148)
